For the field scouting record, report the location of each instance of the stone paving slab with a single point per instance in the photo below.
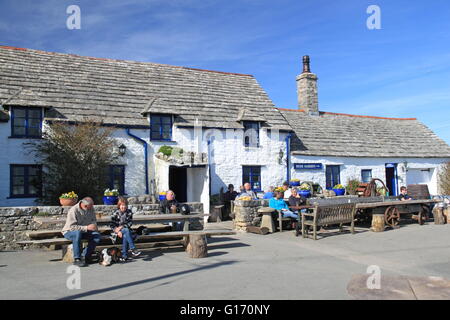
(400, 288)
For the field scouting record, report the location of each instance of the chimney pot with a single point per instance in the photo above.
(306, 66)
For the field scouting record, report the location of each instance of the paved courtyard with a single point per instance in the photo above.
(243, 266)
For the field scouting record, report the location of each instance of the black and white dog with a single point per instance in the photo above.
(110, 256)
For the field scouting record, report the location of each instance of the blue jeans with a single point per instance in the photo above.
(93, 238)
(289, 214)
(127, 241)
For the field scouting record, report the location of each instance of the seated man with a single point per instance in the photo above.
(82, 224)
(403, 196)
(248, 192)
(279, 204)
(171, 205)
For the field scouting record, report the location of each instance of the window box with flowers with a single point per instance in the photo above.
(110, 197)
(68, 199)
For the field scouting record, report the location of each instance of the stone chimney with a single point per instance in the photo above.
(307, 89)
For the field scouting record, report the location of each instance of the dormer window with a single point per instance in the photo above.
(251, 133)
(161, 127)
(26, 122)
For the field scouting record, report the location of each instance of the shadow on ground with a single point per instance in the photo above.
(145, 281)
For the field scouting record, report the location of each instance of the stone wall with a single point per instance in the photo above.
(16, 221)
(246, 213)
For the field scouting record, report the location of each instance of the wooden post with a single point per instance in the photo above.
(438, 214)
(377, 223)
(197, 246)
(67, 253)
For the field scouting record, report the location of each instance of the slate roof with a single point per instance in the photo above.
(342, 135)
(124, 92)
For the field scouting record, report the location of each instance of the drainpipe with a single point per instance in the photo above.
(145, 157)
(288, 157)
(209, 165)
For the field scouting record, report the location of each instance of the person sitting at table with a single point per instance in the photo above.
(296, 199)
(248, 192)
(269, 193)
(121, 222)
(171, 205)
(403, 196)
(227, 198)
(286, 190)
(278, 203)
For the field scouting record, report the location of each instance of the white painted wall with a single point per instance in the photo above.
(227, 155)
(351, 168)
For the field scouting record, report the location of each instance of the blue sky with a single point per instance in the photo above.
(402, 70)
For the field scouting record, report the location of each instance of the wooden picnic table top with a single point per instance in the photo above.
(394, 203)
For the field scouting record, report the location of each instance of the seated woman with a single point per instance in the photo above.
(279, 204)
(121, 221)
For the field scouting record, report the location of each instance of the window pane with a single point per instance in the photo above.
(18, 190)
(34, 113)
(34, 132)
(166, 135)
(19, 113)
(36, 123)
(18, 181)
(166, 120)
(156, 128)
(32, 190)
(366, 175)
(18, 171)
(156, 120)
(34, 171)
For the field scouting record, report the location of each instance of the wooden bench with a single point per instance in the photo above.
(329, 215)
(193, 240)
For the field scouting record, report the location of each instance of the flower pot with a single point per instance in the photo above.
(68, 202)
(339, 192)
(295, 183)
(110, 200)
(305, 193)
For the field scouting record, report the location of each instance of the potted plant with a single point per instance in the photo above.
(295, 182)
(339, 189)
(110, 197)
(305, 190)
(352, 185)
(68, 199)
(162, 196)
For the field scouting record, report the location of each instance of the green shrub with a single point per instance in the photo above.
(166, 150)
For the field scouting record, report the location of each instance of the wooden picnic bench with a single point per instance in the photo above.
(328, 215)
(193, 240)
